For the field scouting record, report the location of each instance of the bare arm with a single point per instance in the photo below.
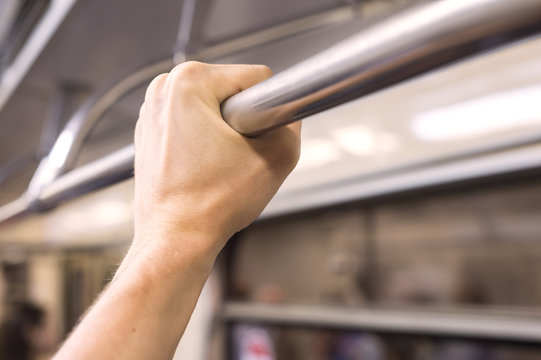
(197, 182)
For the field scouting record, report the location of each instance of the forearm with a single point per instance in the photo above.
(192, 193)
(145, 309)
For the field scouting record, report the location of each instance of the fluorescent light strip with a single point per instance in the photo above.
(482, 116)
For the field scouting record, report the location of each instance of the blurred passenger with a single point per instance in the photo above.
(20, 331)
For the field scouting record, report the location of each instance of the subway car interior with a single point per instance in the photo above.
(410, 228)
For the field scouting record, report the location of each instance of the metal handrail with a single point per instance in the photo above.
(42, 33)
(463, 324)
(406, 44)
(414, 41)
(70, 140)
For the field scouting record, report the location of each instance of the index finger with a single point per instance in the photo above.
(228, 80)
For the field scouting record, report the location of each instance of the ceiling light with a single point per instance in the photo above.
(481, 116)
(316, 153)
(358, 140)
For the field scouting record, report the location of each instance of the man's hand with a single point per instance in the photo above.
(197, 182)
(196, 179)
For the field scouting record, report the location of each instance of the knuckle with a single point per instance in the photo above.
(293, 156)
(158, 80)
(155, 85)
(292, 151)
(288, 157)
(142, 110)
(186, 77)
(188, 70)
(137, 131)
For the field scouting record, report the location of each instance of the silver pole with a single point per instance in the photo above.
(108, 170)
(70, 140)
(411, 42)
(414, 41)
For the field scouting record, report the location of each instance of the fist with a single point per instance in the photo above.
(197, 181)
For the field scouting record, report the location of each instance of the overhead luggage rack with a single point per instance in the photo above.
(414, 41)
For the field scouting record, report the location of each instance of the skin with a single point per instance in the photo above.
(197, 182)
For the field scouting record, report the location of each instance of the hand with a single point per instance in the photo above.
(197, 181)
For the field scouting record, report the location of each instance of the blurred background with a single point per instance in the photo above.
(411, 228)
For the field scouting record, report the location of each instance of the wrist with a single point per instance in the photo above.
(165, 252)
(200, 230)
